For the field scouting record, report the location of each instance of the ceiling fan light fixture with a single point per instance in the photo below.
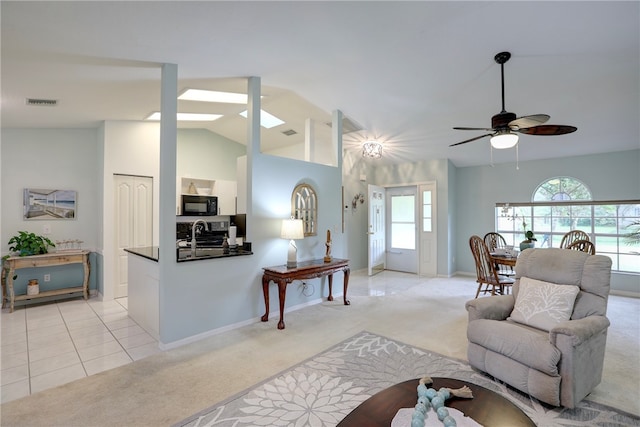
(504, 140)
(372, 149)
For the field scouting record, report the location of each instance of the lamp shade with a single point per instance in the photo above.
(504, 140)
(292, 229)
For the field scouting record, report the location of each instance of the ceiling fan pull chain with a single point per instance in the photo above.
(517, 159)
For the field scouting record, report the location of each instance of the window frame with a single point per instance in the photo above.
(509, 218)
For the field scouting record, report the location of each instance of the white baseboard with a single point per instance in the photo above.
(272, 315)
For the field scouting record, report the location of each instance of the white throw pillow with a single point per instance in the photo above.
(543, 304)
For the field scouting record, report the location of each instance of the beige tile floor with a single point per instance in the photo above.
(50, 344)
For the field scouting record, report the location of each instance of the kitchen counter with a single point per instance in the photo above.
(185, 254)
(149, 252)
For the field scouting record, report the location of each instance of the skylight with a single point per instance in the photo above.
(266, 120)
(188, 117)
(213, 96)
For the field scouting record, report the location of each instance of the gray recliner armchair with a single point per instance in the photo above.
(560, 362)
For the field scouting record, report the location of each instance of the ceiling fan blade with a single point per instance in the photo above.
(470, 140)
(464, 128)
(528, 121)
(548, 130)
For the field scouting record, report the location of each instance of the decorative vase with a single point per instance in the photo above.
(32, 287)
(192, 189)
(525, 244)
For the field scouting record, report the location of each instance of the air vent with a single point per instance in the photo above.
(348, 125)
(42, 102)
(289, 132)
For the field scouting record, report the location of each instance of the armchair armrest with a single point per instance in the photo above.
(579, 330)
(492, 308)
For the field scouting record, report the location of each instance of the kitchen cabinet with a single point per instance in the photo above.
(226, 192)
(203, 187)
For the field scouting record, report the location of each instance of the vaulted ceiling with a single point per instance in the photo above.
(406, 72)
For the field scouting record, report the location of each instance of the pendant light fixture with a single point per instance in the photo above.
(372, 149)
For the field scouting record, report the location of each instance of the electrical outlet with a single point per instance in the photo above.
(46, 229)
(47, 277)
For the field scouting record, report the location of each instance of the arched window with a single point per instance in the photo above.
(561, 188)
(304, 206)
(561, 204)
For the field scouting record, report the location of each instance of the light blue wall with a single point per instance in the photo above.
(354, 168)
(65, 159)
(609, 176)
(412, 173)
(211, 294)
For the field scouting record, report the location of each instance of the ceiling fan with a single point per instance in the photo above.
(504, 125)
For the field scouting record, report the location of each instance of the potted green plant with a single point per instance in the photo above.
(633, 238)
(25, 244)
(529, 240)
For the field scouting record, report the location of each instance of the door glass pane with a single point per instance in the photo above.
(403, 236)
(402, 208)
(427, 211)
(403, 222)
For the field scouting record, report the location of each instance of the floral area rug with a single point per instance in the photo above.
(324, 389)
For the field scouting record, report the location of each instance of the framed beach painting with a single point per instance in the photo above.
(49, 204)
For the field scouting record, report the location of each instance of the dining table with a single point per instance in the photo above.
(504, 259)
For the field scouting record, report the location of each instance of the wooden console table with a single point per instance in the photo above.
(282, 275)
(14, 263)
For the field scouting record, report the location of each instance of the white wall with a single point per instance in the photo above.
(207, 155)
(130, 148)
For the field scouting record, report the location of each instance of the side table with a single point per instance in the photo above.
(14, 263)
(282, 275)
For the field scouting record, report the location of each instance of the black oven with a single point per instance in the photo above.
(199, 205)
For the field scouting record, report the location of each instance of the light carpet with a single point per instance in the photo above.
(324, 389)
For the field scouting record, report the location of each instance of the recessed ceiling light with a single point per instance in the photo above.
(266, 120)
(213, 96)
(188, 117)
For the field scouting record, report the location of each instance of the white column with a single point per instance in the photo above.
(309, 140)
(168, 150)
(253, 144)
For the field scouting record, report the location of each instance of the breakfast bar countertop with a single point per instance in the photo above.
(149, 252)
(185, 254)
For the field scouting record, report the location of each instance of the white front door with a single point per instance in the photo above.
(428, 230)
(376, 230)
(133, 222)
(401, 229)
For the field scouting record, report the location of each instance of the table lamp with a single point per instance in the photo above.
(292, 229)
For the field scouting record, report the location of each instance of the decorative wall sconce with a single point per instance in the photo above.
(358, 197)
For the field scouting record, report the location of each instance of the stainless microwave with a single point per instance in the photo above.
(199, 205)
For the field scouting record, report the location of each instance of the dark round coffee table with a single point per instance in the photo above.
(487, 407)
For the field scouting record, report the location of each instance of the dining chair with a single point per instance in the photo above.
(495, 241)
(572, 236)
(584, 246)
(486, 272)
